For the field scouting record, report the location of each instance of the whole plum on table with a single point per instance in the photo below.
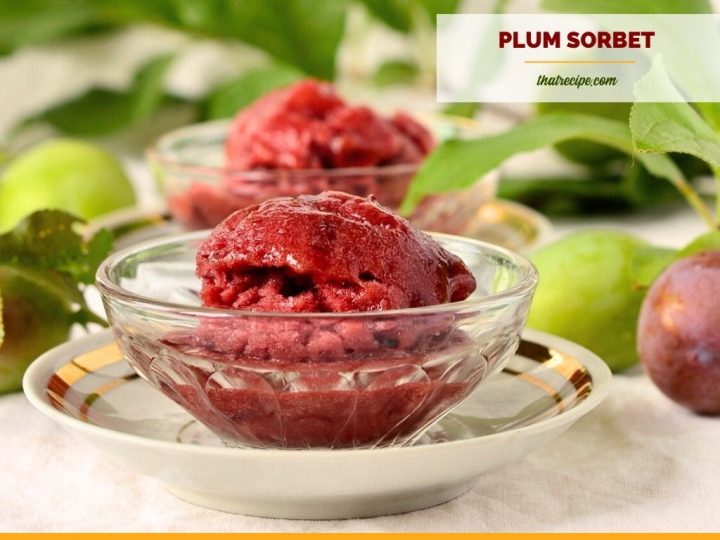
(64, 174)
(679, 332)
(590, 291)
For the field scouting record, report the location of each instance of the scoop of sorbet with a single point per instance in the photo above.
(308, 126)
(331, 252)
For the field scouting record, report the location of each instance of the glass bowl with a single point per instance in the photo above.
(312, 380)
(200, 191)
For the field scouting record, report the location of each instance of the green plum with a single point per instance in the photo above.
(34, 320)
(591, 287)
(63, 174)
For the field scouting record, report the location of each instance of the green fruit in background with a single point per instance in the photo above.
(591, 287)
(63, 174)
(34, 320)
(584, 152)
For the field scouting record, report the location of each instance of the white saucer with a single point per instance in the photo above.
(86, 387)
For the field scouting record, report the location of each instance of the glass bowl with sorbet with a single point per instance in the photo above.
(301, 139)
(317, 321)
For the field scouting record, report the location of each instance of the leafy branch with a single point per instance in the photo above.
(47, 251)
(457, 164)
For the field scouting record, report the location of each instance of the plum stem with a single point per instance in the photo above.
(694, 200)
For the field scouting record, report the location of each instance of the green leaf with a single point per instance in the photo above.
(96, 250)
(628, 6)
(102, 111)
(710, 112)
(582, 152)
(670, 127)
(47, 241)
(707, 242)
(400, 14)
(466, 110)
(435, 7)
(52, 282)
(565, 196)
(46, 251)
(674, 127)
(394, 72)
(599, 194)
(241, 92)
(457, 164)
(139, 11)
(394, 13)
(302, 33)
(31, 22)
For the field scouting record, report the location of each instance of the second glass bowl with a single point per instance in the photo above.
(200, 191)
(312, 380)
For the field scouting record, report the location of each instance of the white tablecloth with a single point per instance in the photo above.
(637, 463)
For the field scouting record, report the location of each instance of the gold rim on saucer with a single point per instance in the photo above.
(555, 380)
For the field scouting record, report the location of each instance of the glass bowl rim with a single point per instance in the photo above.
(155, 153)
(111, 289)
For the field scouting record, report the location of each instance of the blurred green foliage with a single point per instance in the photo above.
(281, 28)
(395, 72)
(457, 164)
(240, 92)
(400, 14)
(301, 38)
(628, 6)
(44, 265)
(101, 111)
(304, 34)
